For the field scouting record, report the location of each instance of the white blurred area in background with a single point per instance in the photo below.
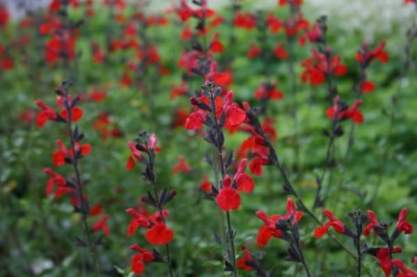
(368, 17)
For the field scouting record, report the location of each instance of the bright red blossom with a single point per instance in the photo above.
(332, 222)
(228, 198)
(270, 229)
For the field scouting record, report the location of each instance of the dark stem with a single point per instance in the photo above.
(83, 201)
(219, 147)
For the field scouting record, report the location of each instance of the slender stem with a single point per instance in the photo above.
(167, 248)
(231, 251)
(83, 201)
(359, 257)
(231, 242)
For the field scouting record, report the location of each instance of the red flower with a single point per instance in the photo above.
(270, 229)
(142, 257)
(268, 91)
(223, 79)
(367, 86)
(179, 90)
(95, 210)
(56, 184)
(97, 95)
(62, 154)
(228, 198)
(244, 21)
(273, 24)
(195, 120)
(242, 262)
(235, 115)
(46, 113)
(254, 51)
(342, 112)
(4, 15)
(76, 114)
(402, 225)
(206, 185)
(134, 157)
(186, 34)
(373, 222)
(98, 54)
(256, 165)
(181, 166)
(216, 46)
(280, 52)
(318, 67)
(159, 234)
(6, 63)
(291, 2)
(244, 181)
(156, 233)
(101, 225)
(332, 222)
(365, 55)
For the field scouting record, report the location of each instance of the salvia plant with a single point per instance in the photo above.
(270, 143)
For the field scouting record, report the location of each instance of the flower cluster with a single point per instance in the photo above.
(158, 233)
(367, 225)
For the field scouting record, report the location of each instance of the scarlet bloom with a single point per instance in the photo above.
(244, 181)
(142, 257)
(102, 225)
(256, 165)
(367, 86)
(340, 111)
(97, 95)
(294, 26)
(280, 52)
(179, 90)
(290, 2)
(402, 225)
(228, 198)
(46, 113)
(372, 224)
(242, 262)
(223, 79)
(273, 24)
(4, 15)
(388, 264)
(254, 51)
(270, 229)
(365, 55)
(332, 222)
(268, 91)
(98, 54)
(244, 21)
(76, 114)
(206, 186)
(181, 166)
(216, 46)
(159, 234)
(195, 120)
(63, 155)
(56, 184)
(135, 154)
(235, 115)
(318, 67)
